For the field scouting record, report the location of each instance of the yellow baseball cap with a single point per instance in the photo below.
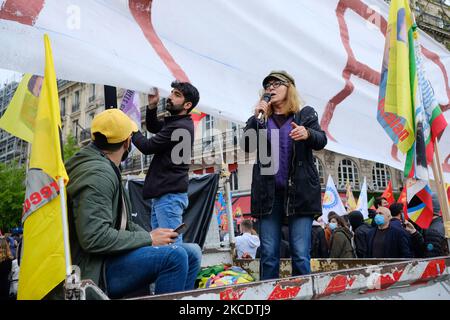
(114, 124)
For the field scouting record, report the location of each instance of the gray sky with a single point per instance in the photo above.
(8, 75)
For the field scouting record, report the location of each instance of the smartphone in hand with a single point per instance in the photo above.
(181, 228)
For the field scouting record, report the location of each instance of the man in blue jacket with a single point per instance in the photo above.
(386, 241)
(415, 238)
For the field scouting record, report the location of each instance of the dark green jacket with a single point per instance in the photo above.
(341, 244)
(94, 214)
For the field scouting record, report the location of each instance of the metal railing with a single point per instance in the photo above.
(215, 144)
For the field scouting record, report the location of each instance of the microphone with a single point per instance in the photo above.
(266, 98)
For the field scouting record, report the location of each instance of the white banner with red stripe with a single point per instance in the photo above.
(333, 48)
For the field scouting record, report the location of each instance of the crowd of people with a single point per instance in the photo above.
(386, 235)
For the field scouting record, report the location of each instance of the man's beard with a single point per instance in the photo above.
(174, 109)
(126, 153)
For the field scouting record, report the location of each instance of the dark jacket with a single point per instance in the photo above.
(396, 244)
(164, 176)
(303, 192)
(415, 240)
(341, 244)
(95, 209)
(319, 247)
(361, 240)
(435, 243)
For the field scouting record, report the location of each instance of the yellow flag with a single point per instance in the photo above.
(43, 260)
(351, 203)
(398, 83)
(20, 116)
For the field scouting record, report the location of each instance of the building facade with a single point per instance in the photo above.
(11, 147)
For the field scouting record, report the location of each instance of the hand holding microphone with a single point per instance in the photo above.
(262, 106)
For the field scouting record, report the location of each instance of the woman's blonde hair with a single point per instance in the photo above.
(293, 102)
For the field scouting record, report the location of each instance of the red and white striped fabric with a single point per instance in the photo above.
(377, 278)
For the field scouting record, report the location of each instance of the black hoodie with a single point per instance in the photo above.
(163, 175)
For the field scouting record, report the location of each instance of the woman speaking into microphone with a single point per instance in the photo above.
(285, 184)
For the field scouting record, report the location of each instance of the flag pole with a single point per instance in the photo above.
(226, 178)
(440, 186)
(62, 193)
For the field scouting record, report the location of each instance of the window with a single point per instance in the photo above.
(236, 131)
(234, 181)
(380, 176)
(75, 129)
(89, 119)
(320, 170)
(76, 101)
(63, 107)
(91, 92)
(348, 170)
(208, 127)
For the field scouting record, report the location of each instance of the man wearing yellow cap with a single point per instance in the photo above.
(118, 255)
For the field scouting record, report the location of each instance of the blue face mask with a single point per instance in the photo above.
(379, 219)
(332, 225)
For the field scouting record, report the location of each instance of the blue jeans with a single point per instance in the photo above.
(167, 211)
(173, 268)
(270, 236)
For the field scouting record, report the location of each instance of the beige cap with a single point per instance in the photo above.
(280, 75)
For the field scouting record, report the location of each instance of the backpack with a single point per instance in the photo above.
(435, 244)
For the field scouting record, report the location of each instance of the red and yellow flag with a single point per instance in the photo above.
(351, 202)
(388, 193)
(420, 203)
(43, 260)
(197, 116)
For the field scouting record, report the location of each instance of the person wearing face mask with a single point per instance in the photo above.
(386, 241)
(341, 239)
(111, 250)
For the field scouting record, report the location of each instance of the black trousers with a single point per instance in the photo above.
(5, 269)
